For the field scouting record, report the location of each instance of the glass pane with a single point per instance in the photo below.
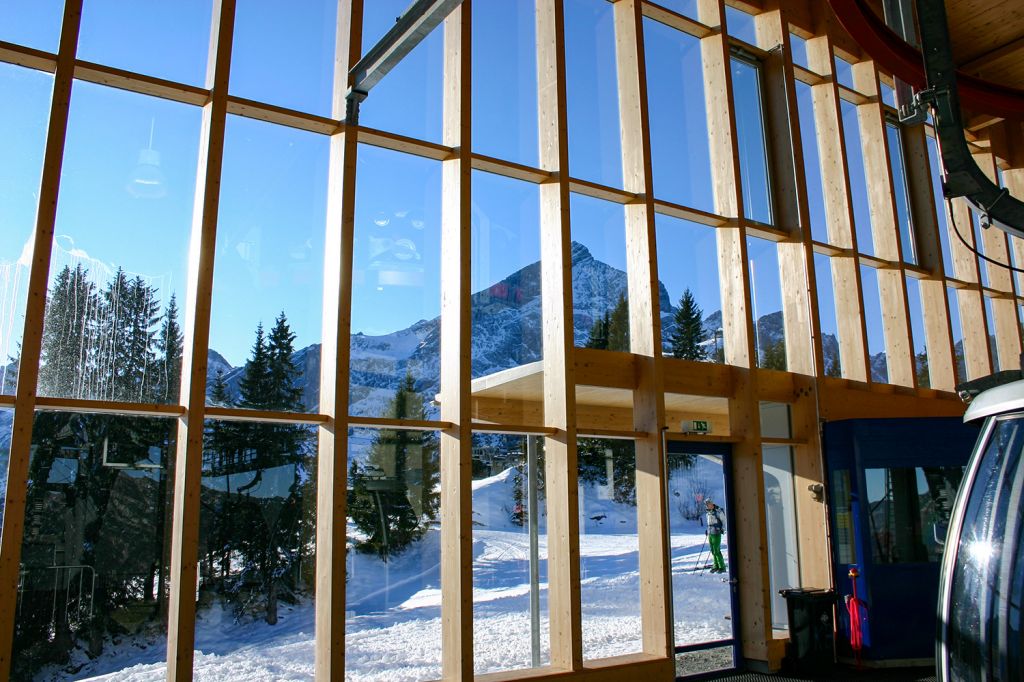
(775, 420)
(909, 511)
(798, 47)
(270, 256)
(858, 179)
(396, 282)
(505, 81)
(741, 25)
(408, 100)
(599, 286)
(609, 548)
(901, 194)
(919, 340)
(877, 358)
(827, 316)
(680, 156)
(940, 204)
(687, 8)
(96, 546)
(766, 297)
(691, 303)
(746, 84)
(120, 252)
(990, 322)
(510, 613)
(958, 334)
(979, 245)
(257, 540)
(812, 162)
(844, 72)
(506, 279)
(780, 520)
(283, 53)
(846, 547)
(35, 23)
(6, 428)
(888, 95)
(22, 138)
(986, 559)
(701, 601)
(595, 149)
(140, 36)
(393, 590)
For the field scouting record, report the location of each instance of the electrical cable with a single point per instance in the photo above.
(976, 252)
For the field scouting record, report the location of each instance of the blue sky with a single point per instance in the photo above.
(274, 185)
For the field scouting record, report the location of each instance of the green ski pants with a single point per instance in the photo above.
(715, 543)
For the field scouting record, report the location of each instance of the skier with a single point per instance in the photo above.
(716, 526)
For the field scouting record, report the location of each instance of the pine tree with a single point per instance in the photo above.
(399, 483)
(68, 335)
(773, 355)
(689, 332)
(618, 325)
(598, 335)
(170, 344)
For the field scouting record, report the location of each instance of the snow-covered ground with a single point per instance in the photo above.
(394, 610)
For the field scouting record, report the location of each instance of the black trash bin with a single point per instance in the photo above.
(811, 629)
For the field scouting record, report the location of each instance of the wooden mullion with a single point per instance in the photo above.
(32, 335)
(456, 353)
(335, 351)
(846, 283)
(27, 57)
(560, 460)
(189, 453)
(142, 84)
(645, 331)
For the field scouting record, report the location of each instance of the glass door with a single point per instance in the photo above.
(704, 584)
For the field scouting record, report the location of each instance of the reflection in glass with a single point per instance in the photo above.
(690, 299)
(393, 588)
(256, 546)
(908, 511)
(600, 295)
(22, 138)
(842, 517)
(408, 100)
(510, 615)
(956, 327)
(753, 150)
(505, 81)
(827, 316)
(95, 551)
(283, 53)
(901, 193)
(979, 245)
(139, 36)
(680, 157)
(113, 319)
(990, 323)
(857, 173)
(270, 255)
(506, 280)
(888, 95)
(396, 282)
(919, 340)
(6, 426)
(798, 47)
(844, 72)
(766, 298)
(780, 524)
(595, 148)
(877, 357)
(741, 25)
(812, 162)
(941, 213)
(701, 602)
(609, 548)
(33, 23)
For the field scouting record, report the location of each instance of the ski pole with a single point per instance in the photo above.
(700, 554)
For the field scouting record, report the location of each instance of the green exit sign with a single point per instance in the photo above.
(697, 426)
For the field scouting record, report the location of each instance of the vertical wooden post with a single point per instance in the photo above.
(332, 444)
(885, 230)
(839, 213)
(189, 454)
(748, 468)
(560, 463)
(456, 352)
(32, 336)
(645, 331)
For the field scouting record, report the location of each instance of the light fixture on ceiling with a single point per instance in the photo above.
(147, 181)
